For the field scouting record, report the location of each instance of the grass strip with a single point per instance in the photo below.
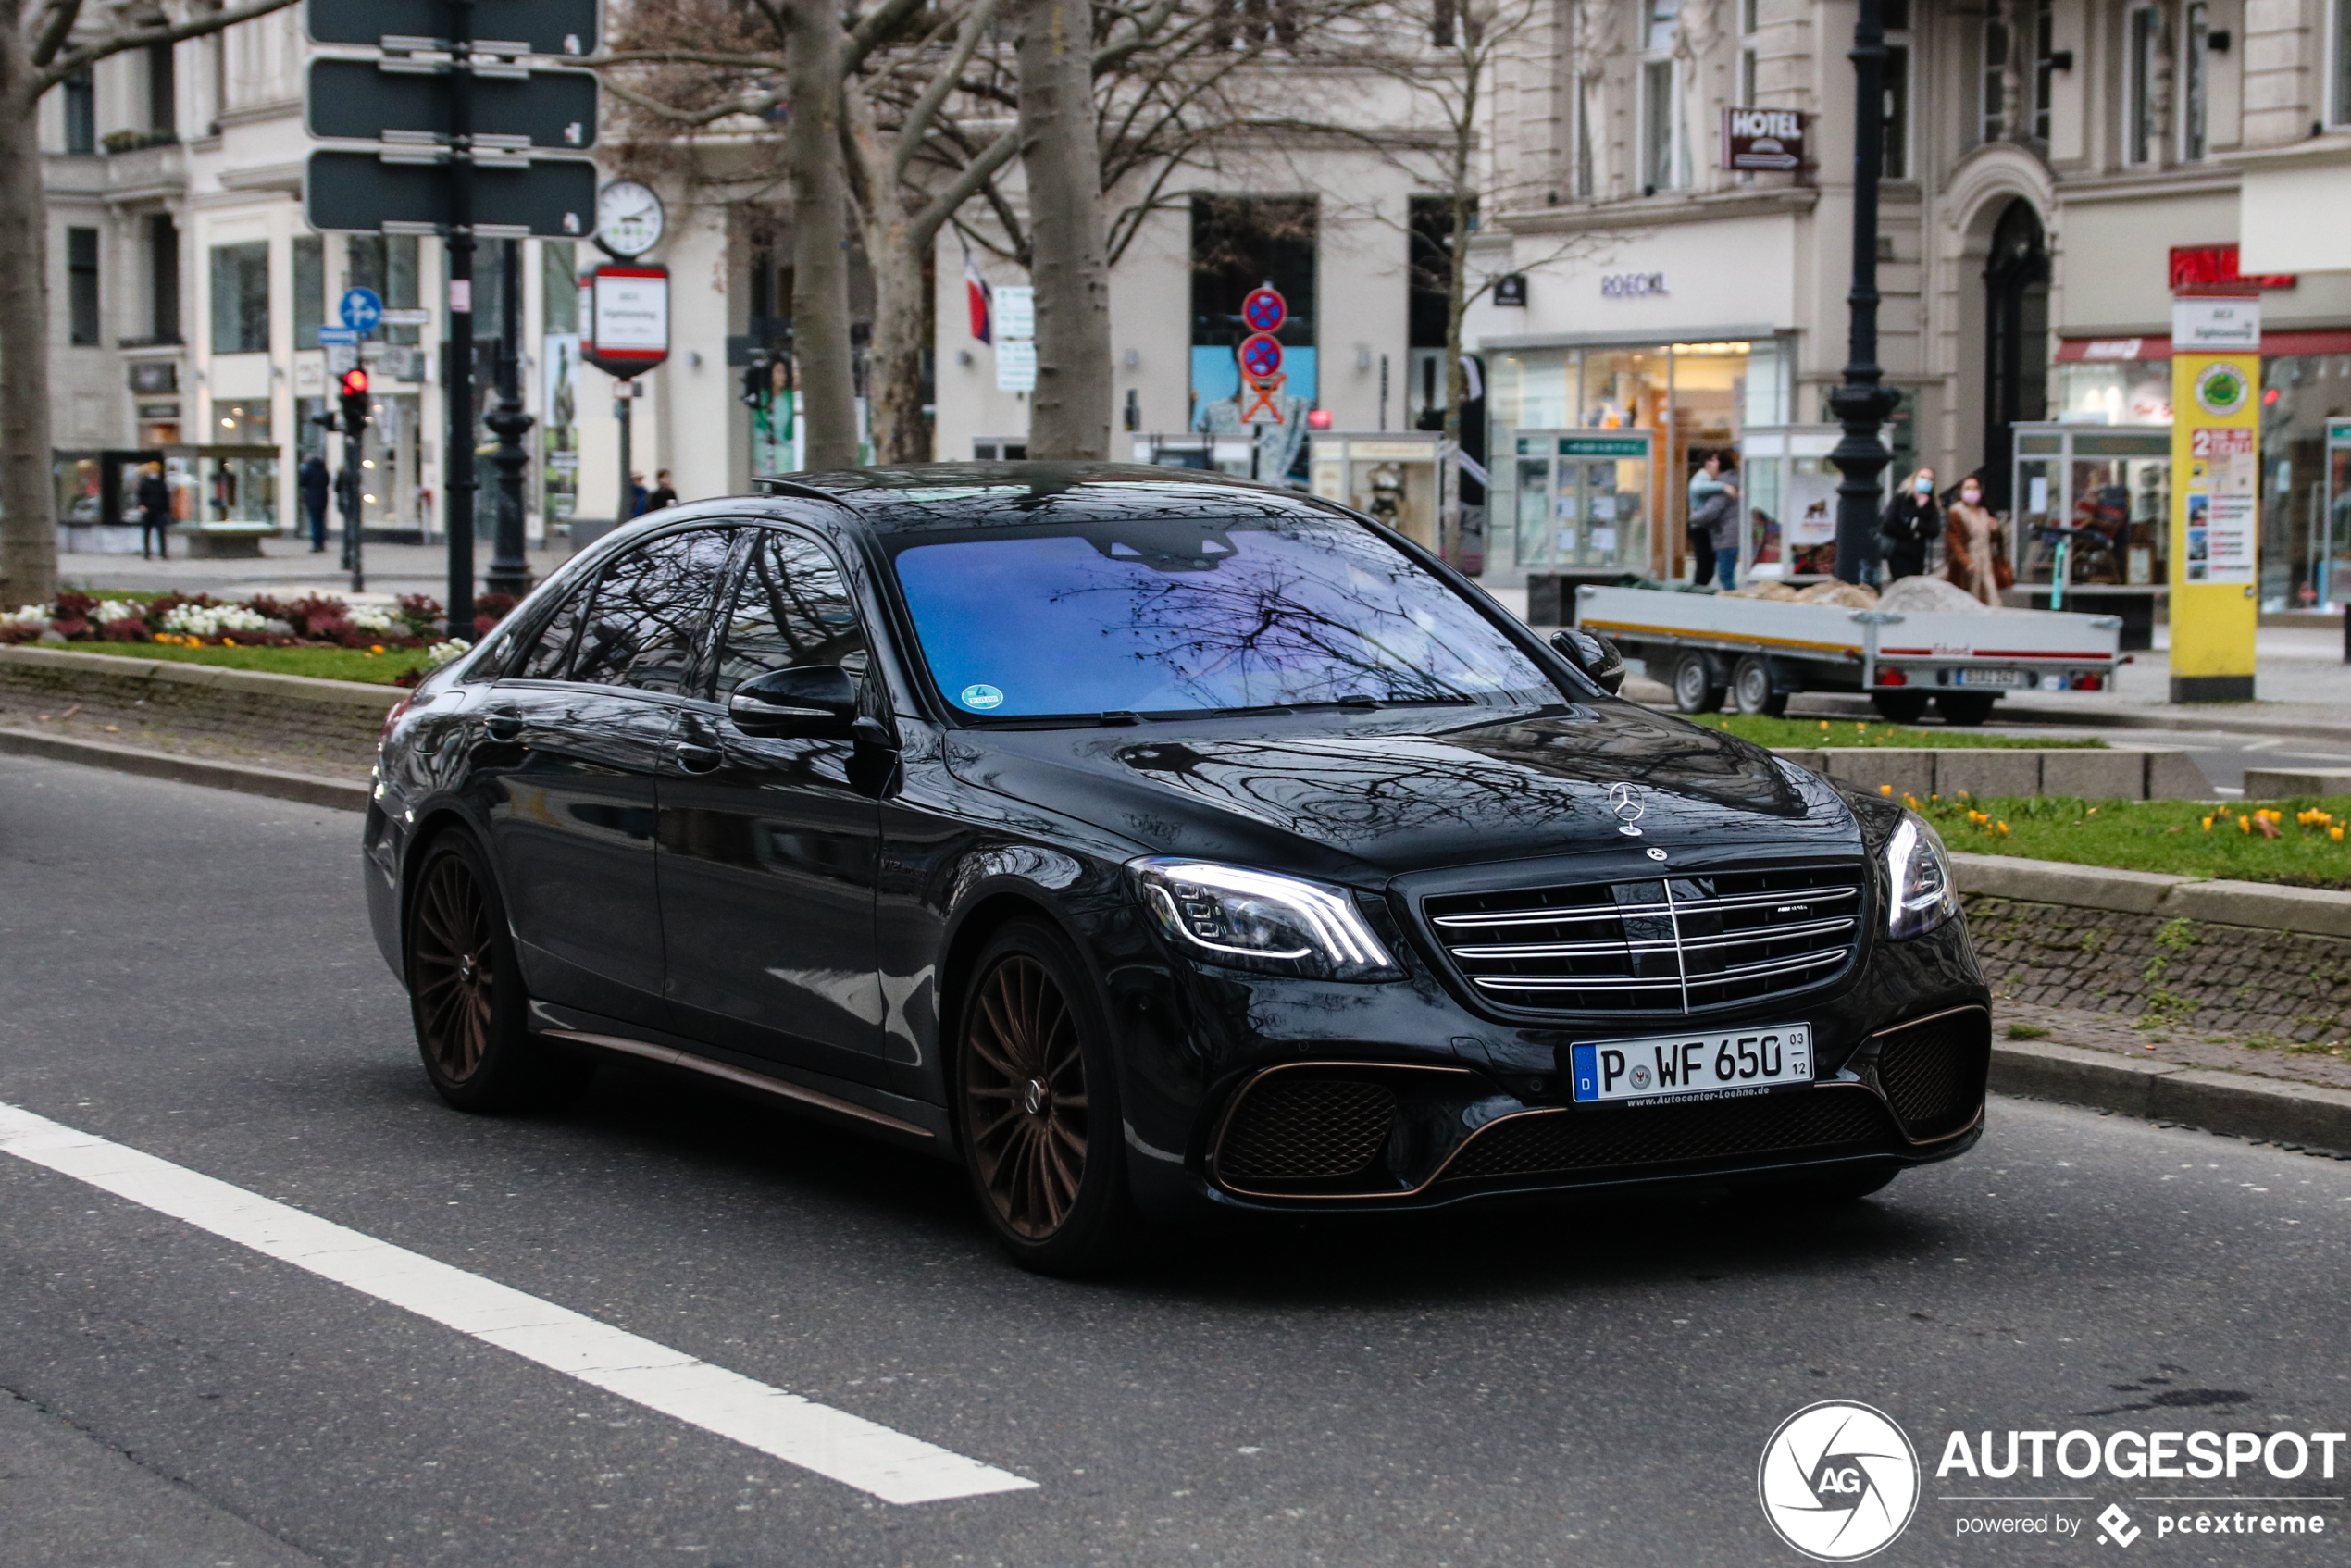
(1789, 733)
(324, 664)
(2179, 837)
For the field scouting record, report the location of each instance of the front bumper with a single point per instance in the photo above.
(1459, 1110)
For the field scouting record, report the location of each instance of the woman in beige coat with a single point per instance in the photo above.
(1975, 553)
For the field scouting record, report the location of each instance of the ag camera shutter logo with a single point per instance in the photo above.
(1839, 1481)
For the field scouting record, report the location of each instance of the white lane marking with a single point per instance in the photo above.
(833, 1443)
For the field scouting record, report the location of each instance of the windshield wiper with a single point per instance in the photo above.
(1358, 704)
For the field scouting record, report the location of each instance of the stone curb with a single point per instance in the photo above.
(2116, 774)
(2234, 1103)
(2319, 912)
(112, 668)
(308, 788)
(1821, 705)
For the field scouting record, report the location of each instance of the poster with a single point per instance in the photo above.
(559, 424)
(2222, 477)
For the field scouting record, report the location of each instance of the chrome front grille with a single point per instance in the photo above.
(1673, 944)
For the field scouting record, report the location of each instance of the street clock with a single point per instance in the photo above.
(628, 218)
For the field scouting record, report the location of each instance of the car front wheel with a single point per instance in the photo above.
(1039, 1108)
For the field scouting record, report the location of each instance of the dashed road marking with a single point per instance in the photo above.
(845, 1448)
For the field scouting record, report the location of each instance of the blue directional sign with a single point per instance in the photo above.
(330, 335)
(362, 308)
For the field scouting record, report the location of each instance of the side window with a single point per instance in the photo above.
(552, 646)
(791, 608)
(650, 610)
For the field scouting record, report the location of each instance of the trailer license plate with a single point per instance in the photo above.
(1679, 1066)
(2003, 677)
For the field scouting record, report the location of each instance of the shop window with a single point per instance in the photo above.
(386, 263)
(240, 298)
(1237, 244)
(82, 284)
(81, 105)
(310, 289)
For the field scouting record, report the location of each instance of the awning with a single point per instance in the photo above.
(2273, 345)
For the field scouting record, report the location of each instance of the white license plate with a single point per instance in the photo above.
(1994, 678)
(1670, 1066)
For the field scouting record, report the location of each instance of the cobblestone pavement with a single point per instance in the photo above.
(2327, 1063)
(317, 748)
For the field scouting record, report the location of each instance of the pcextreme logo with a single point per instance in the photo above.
(1839, 1481)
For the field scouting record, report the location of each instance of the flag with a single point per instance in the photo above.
(976, 287)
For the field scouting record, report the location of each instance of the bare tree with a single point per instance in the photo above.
(43, 42)
(1069, 412)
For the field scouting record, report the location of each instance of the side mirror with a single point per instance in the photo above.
(805, 702)
(1594, 655)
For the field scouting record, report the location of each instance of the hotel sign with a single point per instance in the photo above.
(1763, 138)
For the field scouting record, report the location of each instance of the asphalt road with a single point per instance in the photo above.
(187, 973)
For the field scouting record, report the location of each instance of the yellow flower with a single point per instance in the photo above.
(2245, 824)
(2004, 828)
(2335, 833)
(1887, 789)
(2094, 811)
(2208, 824)
(374, 651)
(1824, 727)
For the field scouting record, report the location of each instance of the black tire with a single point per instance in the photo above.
(1036, 1105)
(1899, 707)
(1965, 708)
(1753, 689)
(466, 993)
(1697, 684)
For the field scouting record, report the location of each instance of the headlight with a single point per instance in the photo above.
(1920, 894)
(1255, 920)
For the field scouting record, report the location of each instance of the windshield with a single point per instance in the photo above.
(1180, 617)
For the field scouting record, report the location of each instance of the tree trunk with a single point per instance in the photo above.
(28, 503)
(820, 239)
(1069, 412)
(894, 245)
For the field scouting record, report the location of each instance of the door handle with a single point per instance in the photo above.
(691, 758)
(503, 725)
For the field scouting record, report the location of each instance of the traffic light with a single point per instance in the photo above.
(355, 401)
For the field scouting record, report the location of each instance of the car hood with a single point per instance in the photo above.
(1390, 794)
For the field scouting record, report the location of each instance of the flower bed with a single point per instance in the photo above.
(172, 623)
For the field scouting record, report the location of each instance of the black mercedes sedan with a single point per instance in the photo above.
(1153, 844)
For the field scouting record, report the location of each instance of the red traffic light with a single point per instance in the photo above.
(355, 383)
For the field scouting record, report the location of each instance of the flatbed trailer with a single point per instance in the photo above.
(1759, 653)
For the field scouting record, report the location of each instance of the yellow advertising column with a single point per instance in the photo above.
(2215, 466)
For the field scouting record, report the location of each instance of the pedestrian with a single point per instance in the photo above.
(1705, 485)
(664, 495)
(1722, 524)
(1910, 525)
(155, 512)
(314, 485)
(1975, 555)
(637, 496)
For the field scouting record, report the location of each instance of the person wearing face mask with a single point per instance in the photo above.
(1975, 554)
(1910, 523)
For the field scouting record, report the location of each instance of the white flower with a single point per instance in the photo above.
(369, 620)
(30, 614)
(112, 610)
(211, 620)
(440, 654)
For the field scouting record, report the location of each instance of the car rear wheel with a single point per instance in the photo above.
(1753, 689)
(465, 991)
(1967, 708)
(1698, 685)
(1038, 1106)
(1900, 707)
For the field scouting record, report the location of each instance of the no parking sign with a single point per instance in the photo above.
(1261, 353)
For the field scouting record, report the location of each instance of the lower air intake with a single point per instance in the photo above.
(1829, 1121)
(1934, 1071)
(1294, 1129)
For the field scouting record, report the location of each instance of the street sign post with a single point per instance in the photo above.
(541, 27)
(1261, 358)
(625, 316)
(453, 109)
(341, 344)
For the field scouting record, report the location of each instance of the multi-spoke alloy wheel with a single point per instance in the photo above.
(456, 969)
(1037, 1103)
(465, 991)
(1025, 1096)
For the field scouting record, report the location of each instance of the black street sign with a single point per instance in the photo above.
(550, 27)
(355, 100)
(358, 193)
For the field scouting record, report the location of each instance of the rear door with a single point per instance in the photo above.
(769, 846)
(584, 727)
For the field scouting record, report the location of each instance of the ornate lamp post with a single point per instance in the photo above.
(1861, 406)
(509, 568)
